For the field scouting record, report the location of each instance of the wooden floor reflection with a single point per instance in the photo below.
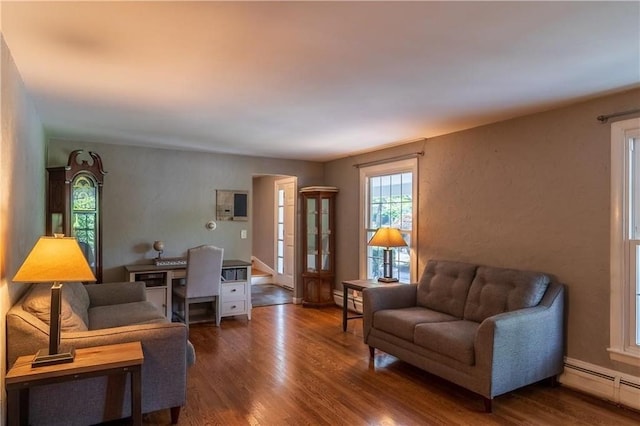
(291, 365)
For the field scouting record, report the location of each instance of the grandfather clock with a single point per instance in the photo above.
(318, 227)
(74, 199)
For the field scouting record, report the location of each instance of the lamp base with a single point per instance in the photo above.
(387, 280)
(43, 358)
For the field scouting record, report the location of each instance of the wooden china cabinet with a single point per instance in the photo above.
(318, 225)
(74, 199)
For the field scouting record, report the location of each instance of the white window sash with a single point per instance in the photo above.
(408, 165)
(623, 258)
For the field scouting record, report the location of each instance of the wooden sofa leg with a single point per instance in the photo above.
(372, 352)
(487, 405)
(175, 413)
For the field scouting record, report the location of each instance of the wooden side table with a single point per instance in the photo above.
(357, 285)
(121, 358)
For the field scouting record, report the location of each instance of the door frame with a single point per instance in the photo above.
(291, 221)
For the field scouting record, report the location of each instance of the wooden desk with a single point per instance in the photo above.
(121, 358)
(235, 289)
(357, 285)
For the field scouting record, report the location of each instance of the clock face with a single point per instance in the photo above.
(84, 194)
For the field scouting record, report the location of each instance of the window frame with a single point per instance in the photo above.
(402, 166)
(623, 310)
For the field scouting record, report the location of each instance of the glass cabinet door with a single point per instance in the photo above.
(325, 234)
(318, 216)
(312, 235)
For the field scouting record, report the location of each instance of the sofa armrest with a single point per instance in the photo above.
(116, 293)
(523, 346)
(387, 297)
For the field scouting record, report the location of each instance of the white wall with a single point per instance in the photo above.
(22, 189)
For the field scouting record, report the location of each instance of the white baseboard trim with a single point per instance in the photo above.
(355, 303)
(601, 382)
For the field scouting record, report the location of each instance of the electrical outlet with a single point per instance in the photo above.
(243, 234)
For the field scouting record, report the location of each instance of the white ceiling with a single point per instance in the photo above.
(310, 80)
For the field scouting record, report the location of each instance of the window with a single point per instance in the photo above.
(625, 241)
(280, 236)
(389, 198)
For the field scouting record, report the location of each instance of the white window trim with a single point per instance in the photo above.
(622, 295)
(381, 169)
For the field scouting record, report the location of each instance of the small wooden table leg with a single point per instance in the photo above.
(136, 396)
(18, 406)
(345, 300)
(24, 406)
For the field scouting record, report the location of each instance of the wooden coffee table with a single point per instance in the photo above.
(121, 358)
(357, 285)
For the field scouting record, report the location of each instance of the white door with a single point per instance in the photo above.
(285, 193)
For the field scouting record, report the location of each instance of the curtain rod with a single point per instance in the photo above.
(604, 118)
(387, 160)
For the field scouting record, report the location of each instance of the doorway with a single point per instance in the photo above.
(273, 254)
(285, 202)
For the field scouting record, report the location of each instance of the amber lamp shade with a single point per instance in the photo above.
(387, 238)
(54, 260)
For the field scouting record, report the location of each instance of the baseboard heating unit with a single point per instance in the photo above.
(598, 381)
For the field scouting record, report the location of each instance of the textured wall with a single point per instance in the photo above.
(263, 218)
(21, 190)
(531, 193)
(160, 194)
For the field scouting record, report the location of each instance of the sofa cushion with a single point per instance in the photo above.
(78, 298)
(402, 322)
(444, 286)
(38, 303)
(124, 314)
(497, 290)
(452, 338)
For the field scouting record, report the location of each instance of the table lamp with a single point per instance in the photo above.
(387, 238)
(55, 259)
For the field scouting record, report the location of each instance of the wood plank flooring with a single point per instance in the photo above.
(270, 294)
(291, 365)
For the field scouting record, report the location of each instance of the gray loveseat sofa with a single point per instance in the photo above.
(490, 330)
(94, 315)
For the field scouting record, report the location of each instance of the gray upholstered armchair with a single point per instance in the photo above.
(94, 315)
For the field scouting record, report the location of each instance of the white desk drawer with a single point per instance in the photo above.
(233, 290)
(233, 307)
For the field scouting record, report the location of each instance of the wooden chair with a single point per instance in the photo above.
(202, 284)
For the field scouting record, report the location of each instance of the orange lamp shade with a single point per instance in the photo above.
(387, 237)
(55, 259)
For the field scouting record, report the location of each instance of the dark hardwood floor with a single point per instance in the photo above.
(291, 365)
